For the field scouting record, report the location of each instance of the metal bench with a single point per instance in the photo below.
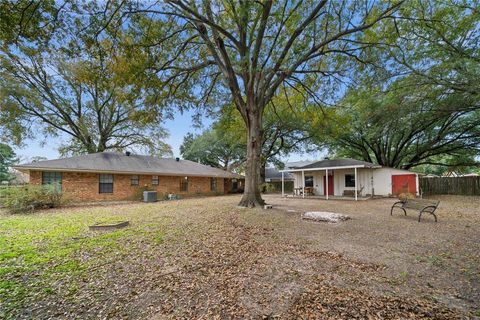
(424, 206)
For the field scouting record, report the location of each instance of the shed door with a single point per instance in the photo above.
(404, 183)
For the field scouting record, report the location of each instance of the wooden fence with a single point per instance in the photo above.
(468, 186)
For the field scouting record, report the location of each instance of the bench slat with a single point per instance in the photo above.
(423, 206)
(419, 204)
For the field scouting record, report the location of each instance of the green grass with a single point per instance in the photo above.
(38, 249)
(430, 259)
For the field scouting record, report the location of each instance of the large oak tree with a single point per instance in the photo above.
(249, 50)
(405, 127)
(418, 103)
(65, 74)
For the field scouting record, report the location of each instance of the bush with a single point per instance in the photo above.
(406, 195)
(268, 188)
(137, 194)
(30, 198)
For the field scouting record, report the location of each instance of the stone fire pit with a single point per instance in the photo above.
(323, 216)
(109, 225)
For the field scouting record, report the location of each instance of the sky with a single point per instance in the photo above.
(178, 128)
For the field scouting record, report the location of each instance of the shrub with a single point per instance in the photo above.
(30, 198)
(137, 194)
(268, 188)
(406, 195)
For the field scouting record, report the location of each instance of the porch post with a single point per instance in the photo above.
(283, 189)
(303, 184)
(326, 182)
(356, 185)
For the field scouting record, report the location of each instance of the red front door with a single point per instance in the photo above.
(404, 183)
(330, 185)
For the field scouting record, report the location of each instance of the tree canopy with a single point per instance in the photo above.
(406, 127)
(439, 45)
(213, 148)
(85, 84)
(417, 103)
(7, 159)
(390, 82)
(249, 50)
(287, 127)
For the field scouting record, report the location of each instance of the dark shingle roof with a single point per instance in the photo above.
(274, 174)
(119, 162)
(332, 163)
(297, 164)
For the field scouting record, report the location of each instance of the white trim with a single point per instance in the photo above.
(331, 168)
(283, 188)
(356, 192)
(303, 184)
(326, 184)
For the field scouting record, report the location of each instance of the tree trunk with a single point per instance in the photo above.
(251, 195)
(262, 177)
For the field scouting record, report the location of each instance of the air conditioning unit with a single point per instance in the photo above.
(149, 196)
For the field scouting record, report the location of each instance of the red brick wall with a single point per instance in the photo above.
(81, 186)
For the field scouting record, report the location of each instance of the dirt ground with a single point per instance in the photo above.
(436, 260)
(214, 260)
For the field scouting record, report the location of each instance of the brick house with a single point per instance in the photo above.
(108, 176)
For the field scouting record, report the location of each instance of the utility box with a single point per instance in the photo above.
(149, 196)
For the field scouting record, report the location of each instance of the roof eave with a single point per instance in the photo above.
(332, 168)
(28, 168)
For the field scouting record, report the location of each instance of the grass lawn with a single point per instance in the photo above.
(206, 258)
(52, 253)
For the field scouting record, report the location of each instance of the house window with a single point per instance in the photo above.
(184, 184)
(308, 181)
(213, 184)
(349, 180)
(106, 183)
(52, 178)
(154, 180)
(134, 180)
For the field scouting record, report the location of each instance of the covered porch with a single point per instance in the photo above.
(316, 197)
(348, 182)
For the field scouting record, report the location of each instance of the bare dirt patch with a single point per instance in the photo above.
(211, 259)
(437, 260)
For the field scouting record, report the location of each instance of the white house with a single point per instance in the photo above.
(349, 177)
